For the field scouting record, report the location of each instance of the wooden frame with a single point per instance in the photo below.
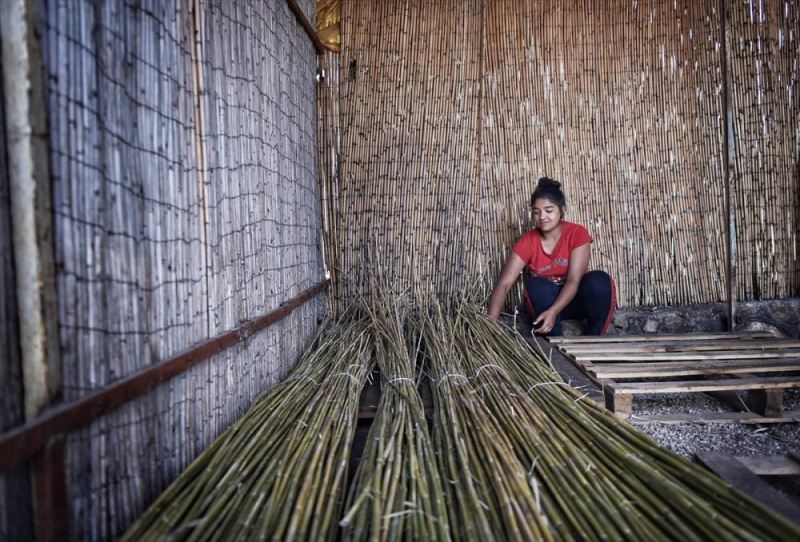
(691, 363)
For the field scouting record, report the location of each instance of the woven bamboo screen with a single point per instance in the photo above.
(185, 202)
(443, 115)
(765, 65)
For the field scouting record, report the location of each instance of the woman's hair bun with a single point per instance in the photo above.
(550, 189)
(547, 182)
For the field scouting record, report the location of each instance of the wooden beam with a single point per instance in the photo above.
(51, 513)
(689, 368)
(604, 357)
(684, 346)
(583, 339)
(691, 386)
(770, 465)
(767, 402)
(24, 441)
(729, 163)
(715, 417)
(311, 31)
(740, 477)
(28, 151)
(620, 404)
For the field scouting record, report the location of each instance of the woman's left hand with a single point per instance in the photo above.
(545, 322)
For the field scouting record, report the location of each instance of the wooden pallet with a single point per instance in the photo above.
(625, 366)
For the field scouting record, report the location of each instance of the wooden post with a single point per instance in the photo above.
(729, 153)
(15, 490)
(50, 489)
(27, 144)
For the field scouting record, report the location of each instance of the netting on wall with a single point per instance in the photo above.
(183, 159)
(446, 113)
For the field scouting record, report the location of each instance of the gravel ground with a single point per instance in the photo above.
(730, 438)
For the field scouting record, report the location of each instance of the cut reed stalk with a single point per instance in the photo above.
(397, 491)
(284, 459)
(667, 495)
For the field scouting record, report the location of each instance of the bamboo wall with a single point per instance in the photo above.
(765, 61)
(442, 115)
(185, 203)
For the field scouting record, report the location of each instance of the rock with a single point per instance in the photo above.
(651, 326)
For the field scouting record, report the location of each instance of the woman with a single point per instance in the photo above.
(556, 253)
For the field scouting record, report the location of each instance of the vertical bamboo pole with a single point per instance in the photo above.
(729, 157)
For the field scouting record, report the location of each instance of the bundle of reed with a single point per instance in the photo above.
(489, 495)
(280, 472)
(397, 491)
(623, 484)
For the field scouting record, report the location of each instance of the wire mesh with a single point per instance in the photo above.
(183, 158)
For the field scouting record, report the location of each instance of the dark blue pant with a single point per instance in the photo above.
(595, 301)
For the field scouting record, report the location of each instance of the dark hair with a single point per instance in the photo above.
(549, 189)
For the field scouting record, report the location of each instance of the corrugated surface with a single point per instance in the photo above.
(185, 202)
(446, 113)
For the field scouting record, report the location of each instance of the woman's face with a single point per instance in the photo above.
(546, 215)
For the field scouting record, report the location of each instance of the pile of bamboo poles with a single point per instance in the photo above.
(598, 477)
(515, 453)
(280, 472)
(397, 492)
(488, 490)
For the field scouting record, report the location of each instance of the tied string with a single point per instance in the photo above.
(304, 376)
(450, 375)
(347, 372)
(482, 367)
(401, 379)
(555, 383)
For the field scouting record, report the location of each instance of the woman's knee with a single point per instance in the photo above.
(597, 283)
(541, 292)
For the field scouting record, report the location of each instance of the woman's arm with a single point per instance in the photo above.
(578, 264)
(508, 276)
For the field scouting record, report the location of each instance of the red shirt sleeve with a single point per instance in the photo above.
(579, 237)
(524, 248)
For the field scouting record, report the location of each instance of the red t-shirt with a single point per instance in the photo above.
(552, 266)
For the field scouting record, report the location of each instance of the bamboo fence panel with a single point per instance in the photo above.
(407, 110)
(765, 73)
(448, 112)
(183, 158)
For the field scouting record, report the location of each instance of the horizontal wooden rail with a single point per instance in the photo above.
(310, 30)
(22, 442)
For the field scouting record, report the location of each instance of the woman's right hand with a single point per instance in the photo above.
(511, 270)
(545, 322)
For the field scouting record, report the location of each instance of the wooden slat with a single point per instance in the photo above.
(645, 338)
(682, 346)
(688, 368)
(310, 30)
(24, 441)
(707, 385)
(770, 465)
(740, 477)
(601, 357)
(716, 417)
